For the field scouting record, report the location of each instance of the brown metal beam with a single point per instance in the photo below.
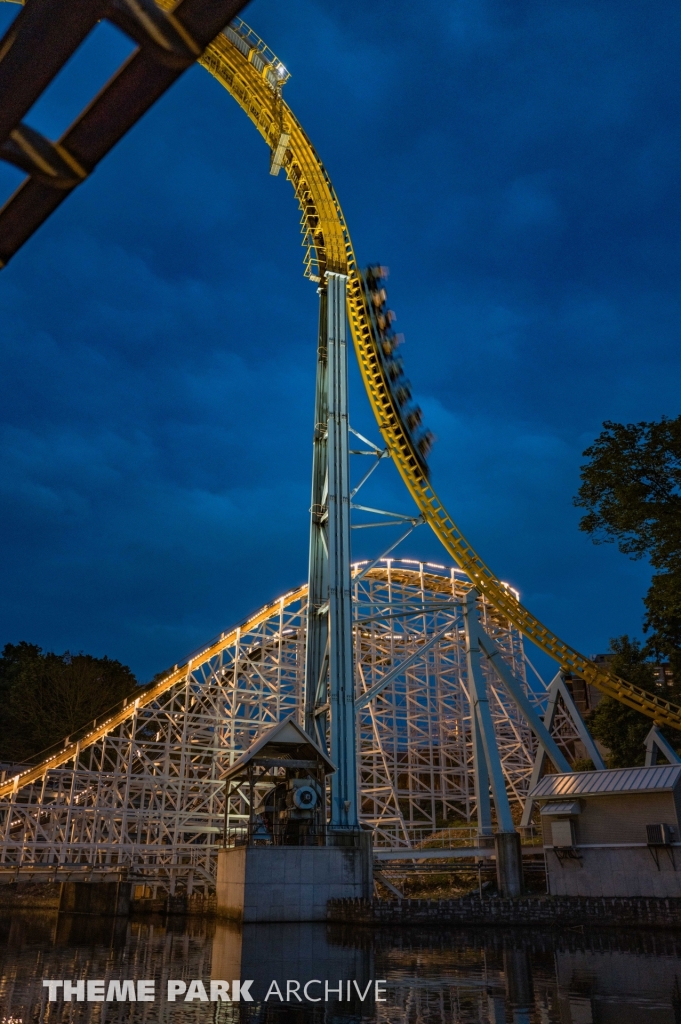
(35, 47)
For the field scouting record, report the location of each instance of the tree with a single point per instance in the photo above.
(47, 697)
(620, 728)
(631, 490)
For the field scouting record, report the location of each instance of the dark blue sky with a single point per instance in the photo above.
(517, 165)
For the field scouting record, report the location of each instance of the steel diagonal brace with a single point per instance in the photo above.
(381, 453)
(559, 689)
(375, 526)
(549, 715)
(578, 722)
(487, 759)
(657, 744)
(397, 516)
(494, 656)
(372, 565)
(394, 672)
(385, 454)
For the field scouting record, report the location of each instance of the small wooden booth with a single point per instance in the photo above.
(284, 864)
(282, 777)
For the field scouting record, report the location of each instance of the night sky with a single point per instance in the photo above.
(517, 165)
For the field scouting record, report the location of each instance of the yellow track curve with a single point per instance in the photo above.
(328, 247)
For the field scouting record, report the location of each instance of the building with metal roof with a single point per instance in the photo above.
(615, 832)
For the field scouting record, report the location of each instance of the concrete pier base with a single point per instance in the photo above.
(509, 864)
(97, 898)
(291, 883)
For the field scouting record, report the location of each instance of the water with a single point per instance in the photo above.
(434, 976)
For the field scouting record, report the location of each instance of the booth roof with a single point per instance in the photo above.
(287, 734)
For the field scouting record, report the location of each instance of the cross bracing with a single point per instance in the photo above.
(146, 793)
(253, 76)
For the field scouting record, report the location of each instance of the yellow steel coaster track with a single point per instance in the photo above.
(328, 247)
(248, 70)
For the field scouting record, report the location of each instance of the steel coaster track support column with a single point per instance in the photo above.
(329, 666)
(317, 634)
(480, 779)
(485, 749)
(344, 811)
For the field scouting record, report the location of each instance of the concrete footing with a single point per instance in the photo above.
(616, 871)
(291, 883)
(509, 864)
(96, 898)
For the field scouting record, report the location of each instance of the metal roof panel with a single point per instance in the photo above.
(609, 780)
(559, 807)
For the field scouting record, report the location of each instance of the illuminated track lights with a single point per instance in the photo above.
(157, 805)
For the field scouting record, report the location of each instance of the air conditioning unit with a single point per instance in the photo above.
(563, 833)
(660, 835)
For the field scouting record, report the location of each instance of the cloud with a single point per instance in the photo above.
(517, 168)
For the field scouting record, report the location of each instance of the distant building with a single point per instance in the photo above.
(587, 697)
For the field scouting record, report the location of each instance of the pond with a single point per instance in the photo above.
(306, 972)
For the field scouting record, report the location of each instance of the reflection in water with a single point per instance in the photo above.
(303, 952)
(487, 976)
